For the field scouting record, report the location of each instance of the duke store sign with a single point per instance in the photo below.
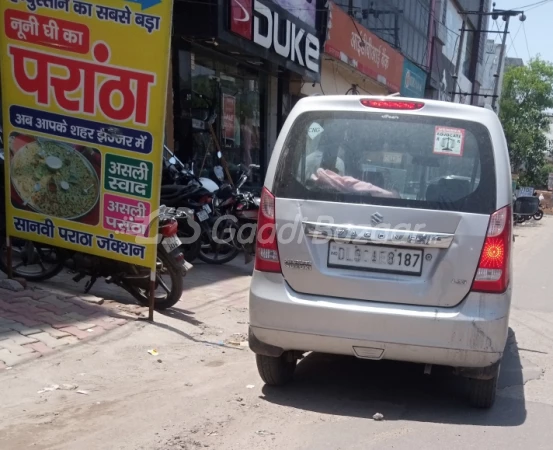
(259, 22)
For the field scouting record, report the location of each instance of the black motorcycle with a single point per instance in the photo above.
(197, 235)
(525, 208)
(238, 212)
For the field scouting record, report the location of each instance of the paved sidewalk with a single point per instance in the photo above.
(54, 314)
(36, 322)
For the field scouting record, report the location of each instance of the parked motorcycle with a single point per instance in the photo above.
(198, 236)
(525, 208)
(239, 211)
(521, 218)
(171, 266)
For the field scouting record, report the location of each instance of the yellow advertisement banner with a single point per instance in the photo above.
(83, 90)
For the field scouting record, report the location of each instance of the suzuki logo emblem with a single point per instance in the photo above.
(376, 219)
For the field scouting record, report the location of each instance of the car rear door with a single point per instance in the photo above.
(384, 207)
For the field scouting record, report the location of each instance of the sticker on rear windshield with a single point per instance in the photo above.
(449, 141)
(314, 130)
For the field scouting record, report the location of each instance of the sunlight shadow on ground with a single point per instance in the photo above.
(346, 386)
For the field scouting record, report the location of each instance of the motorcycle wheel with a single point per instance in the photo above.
(46, 260)
(168, 266)
(213, 253)
(538, 215)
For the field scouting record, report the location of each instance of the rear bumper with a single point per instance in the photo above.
(470, 335)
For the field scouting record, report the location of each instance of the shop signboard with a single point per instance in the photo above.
(525, 191)
(413, 80)
(351, 43)
(278, 31)
(229, 115)
(84, 117)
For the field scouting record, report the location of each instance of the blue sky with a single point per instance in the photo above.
(538, 27)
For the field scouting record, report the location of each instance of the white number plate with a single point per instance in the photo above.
(171, 243)
(202, 215)
(207, 208)
(375, 258)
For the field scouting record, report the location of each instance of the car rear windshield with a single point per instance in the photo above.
(388, 159)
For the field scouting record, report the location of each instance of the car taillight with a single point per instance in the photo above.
(493, 269)
(391, 104)
(266, 253)
(169, 229)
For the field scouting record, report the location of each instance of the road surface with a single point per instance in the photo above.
(202, 389)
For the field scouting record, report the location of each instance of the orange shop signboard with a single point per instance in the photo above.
(356, 46)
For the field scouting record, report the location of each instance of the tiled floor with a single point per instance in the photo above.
(46, 317)
(35, 322)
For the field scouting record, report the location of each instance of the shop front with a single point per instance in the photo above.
(232, 62)
(355, 60)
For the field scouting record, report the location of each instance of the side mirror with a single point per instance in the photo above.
(527, 206)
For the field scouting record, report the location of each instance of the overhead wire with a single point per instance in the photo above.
(495, 78)
(494, 43)
(534, 5)
(526, 40)
(433, 15)
(513, 39)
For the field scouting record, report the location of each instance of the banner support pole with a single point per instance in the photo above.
(9, 256)
(152, 295)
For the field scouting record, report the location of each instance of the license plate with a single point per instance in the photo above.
(170, 243)
(202, 215)
(207, 208)
(375, 258)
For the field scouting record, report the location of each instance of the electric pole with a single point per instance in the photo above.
(506, 15)
(458, 61)
(500, 64)
(495, 13)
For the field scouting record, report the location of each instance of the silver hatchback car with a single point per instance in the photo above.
(385, 232)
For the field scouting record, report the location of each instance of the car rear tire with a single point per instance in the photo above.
(276, 371)
(482, 392)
